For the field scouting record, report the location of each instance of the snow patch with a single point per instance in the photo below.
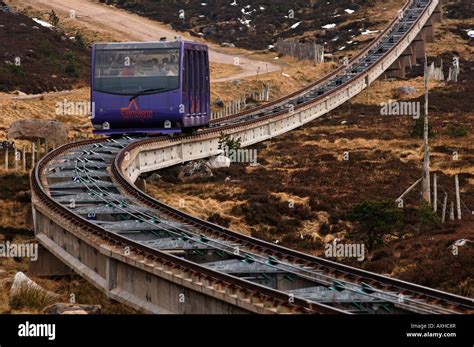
(294, 26)
(43, 23)
(370, 32)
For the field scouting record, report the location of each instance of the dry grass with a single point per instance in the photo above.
(224, 70)
(90, 32)
(30, 298)
(15, 209)
(14, 214)
(42, 108)
(15, 219)
(382, 90)
(32, 303)
(293, 76)
(200, 205)
(446, 39)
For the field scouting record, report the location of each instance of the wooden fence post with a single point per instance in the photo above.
(458, 197)
(16, 159)
(33, 153)
(38, 149)
(6, 158)
(24, 158)
(445, 205)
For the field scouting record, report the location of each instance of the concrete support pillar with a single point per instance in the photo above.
(47, 265)
(409, 57)
(428, 31)
(437, 15)
(419, 45)
(141, 184)
(397, 69)
(110, 274)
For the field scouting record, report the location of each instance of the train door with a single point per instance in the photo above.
(204, 77)
(192, 84)
(199, 82)
(207, 84)
(196, 84)
(186, 82)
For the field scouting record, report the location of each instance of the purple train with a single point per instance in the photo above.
(150, 87)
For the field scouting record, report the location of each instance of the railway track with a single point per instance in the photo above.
(87, 187)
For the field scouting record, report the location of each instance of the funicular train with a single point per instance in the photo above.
(150, 87)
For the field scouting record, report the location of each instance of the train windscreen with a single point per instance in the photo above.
(130, 72)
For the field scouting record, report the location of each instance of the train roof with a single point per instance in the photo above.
(145, 45)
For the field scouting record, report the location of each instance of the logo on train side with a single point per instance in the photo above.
(133, 111)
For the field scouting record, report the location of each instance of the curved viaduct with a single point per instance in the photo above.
(89, 214)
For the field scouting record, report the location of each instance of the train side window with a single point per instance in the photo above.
(196, 82)
(199, 86)
(190, 82)
(205, 81)
(185, 81)
(192, 73)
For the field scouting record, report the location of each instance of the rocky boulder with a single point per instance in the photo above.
(53, 131)
(219, 103)
(219, 162)
(24, 292)
(154, 177)
(5, 8)
(194, 170)
(405, 90)
(227, 44)
(209, 30)
(65, 308)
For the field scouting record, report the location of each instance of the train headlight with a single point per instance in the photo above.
(167, 124)
(106, 126)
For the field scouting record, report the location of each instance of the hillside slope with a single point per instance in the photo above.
(35, 58)
(257, 25)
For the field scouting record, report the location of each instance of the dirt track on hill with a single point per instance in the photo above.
(136, 28)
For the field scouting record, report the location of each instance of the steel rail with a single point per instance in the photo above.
(288, 267)
(401, 285)
(323, 79)
(282, 299)
(286, 255)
